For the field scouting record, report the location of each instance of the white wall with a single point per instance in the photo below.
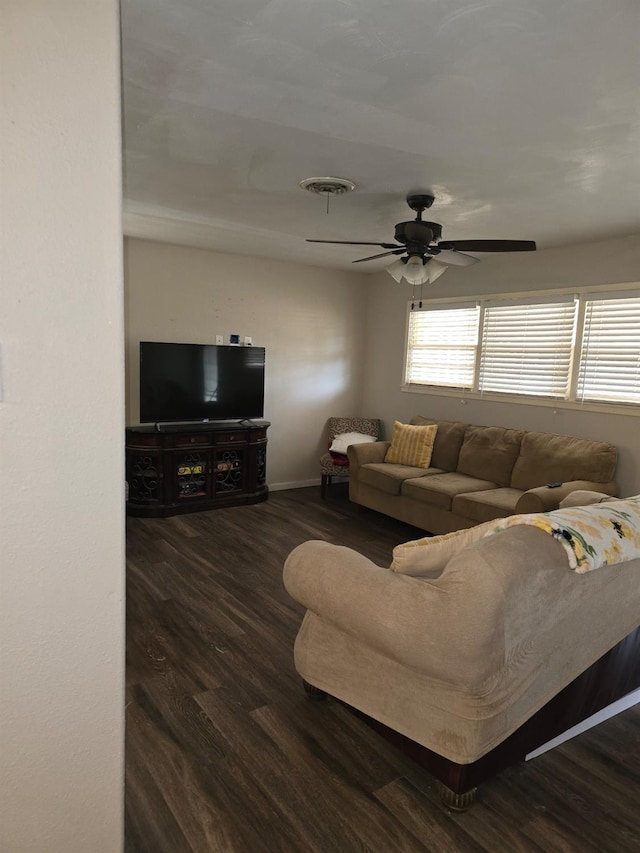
(607, 262)
(61, 420)
(310, 320)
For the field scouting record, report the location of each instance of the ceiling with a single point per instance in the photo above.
(523, 118)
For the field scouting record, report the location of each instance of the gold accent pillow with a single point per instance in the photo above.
(428, 557)
(411, 445)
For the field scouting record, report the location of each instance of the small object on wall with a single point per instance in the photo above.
(248, 341)
(234, 339)
(219, 340)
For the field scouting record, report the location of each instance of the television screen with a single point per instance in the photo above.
(195, 382)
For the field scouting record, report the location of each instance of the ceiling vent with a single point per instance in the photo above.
(327, 186)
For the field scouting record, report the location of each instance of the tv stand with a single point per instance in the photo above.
(177, 468)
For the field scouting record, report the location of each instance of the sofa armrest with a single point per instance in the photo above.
(544, 499)
(362, 454)
(448, 628)
(484, 615)
(399, 616)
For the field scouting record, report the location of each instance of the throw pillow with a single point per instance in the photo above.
(411, 445)
(342, 441)
(428, 557)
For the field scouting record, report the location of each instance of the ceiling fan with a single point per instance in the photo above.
(424, 255)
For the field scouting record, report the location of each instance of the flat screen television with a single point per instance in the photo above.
(200, 382)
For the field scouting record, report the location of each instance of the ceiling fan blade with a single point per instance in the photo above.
(489, 245)
(398, 251)
(457, 259)
(359, 243)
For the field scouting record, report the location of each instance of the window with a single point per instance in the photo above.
(442, 347)
(580, 348)
(610, 358)
(526, 348)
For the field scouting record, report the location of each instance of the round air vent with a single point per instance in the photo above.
(327, 186)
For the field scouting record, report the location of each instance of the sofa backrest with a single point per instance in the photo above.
(447, 444)
(490, 453)
(550, 458)
(518, 458)
(366, 426)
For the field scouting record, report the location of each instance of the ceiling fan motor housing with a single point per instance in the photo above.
(417, 231)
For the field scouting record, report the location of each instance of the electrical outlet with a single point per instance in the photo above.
(248, 341)
(219, 340)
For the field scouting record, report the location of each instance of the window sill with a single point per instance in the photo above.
(629, 409)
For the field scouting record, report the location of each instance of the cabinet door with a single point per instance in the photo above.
(229, 470)
(190, 475)
(261, 465)
(257, 468)
(144, 476)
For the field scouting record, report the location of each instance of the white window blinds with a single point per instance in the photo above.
(442, 347)
(527, 347)
(610, 356)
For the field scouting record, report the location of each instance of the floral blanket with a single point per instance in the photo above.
(593, 536)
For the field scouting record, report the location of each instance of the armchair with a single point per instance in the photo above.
(337, 465)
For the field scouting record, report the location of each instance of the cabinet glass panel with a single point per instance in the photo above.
(228, 471)
(191, 475)
(143, 476)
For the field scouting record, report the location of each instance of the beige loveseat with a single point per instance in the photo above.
(479, 664)
(479, 473)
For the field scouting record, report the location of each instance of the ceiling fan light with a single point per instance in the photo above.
(415, 270)
(396, 270)
(435, 270)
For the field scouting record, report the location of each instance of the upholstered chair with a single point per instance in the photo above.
(337, 464)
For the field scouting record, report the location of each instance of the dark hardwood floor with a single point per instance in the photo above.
(226, 753)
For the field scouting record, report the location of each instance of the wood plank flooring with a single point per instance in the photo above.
(226, 753)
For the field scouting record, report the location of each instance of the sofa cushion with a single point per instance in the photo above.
(446, 447)
(552, 458)
(428, 557)
(484, 506)
(440, 489)
(411, 444)
(388, 477)
(490, 453)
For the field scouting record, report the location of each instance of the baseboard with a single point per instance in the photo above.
(298, 484)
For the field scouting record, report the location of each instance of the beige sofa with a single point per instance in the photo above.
(474, 667)
(479, 473)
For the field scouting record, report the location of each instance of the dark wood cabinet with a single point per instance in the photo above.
(186, 468)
